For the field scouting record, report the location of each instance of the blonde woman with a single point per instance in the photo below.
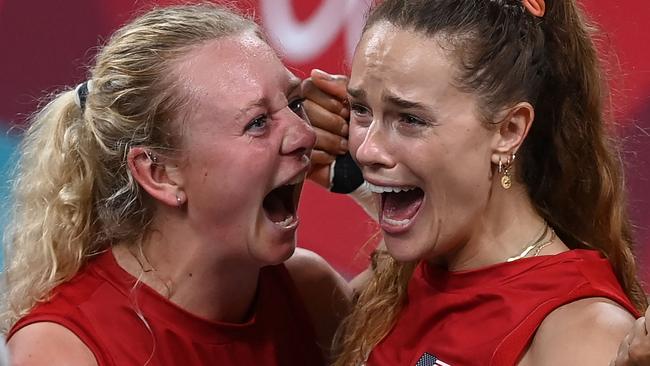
(156, 203)
(479, 127)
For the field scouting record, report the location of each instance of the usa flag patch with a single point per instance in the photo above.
(428, 359)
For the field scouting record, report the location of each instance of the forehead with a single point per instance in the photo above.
(394, 55)
(230, 68)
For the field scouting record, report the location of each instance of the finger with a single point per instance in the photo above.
(320, 174)
(330, 143)
(321, 158)
(310, 91)
(336, 85)
(637, 331)
(321, 118)
(638, 347)
(622, 355)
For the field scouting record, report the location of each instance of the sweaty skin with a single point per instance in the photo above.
(410, 126)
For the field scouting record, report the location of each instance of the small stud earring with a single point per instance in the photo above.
(179, 201)
(152, 157)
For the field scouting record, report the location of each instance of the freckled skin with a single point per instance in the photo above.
(449, 157)
(228, 168)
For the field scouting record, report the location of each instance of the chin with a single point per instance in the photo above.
(269, 253)
(401, 249)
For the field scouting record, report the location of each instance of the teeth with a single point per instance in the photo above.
(286, 222)
(396, 222)
(386, 189)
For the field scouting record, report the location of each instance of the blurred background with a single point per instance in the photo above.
(47, 45)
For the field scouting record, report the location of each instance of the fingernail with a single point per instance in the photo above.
(344, 130)
(323, 75)
(344, 145)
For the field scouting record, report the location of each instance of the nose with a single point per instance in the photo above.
(299, 137)
(373, 150)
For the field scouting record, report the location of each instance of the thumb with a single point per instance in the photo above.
(335, 85)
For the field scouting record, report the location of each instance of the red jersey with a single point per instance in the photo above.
(101, 306)
(488, 316)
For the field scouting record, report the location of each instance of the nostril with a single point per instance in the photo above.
(301, 151)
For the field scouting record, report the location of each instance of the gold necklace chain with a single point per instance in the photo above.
(537, 246)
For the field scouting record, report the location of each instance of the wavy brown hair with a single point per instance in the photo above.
(569, 162)
(73, 193)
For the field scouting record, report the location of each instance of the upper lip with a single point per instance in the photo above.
(298, 175)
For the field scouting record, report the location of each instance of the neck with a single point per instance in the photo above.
(192, 275)
(507, 226)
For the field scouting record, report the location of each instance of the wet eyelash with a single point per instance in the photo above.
(358, 108)
(413, 120)
(257, 121)
(296, 105)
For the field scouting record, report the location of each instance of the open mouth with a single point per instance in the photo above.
(280, 205)
(399, 205)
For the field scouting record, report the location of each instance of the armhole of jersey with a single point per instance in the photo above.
(513, 346)
(69, 324)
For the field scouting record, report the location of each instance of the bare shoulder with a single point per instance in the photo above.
(47, 343)
(312, 273)
(305, 264)
(325, 293)
(584, 332)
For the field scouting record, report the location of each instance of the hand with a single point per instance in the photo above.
(326, 106)
(635, 348)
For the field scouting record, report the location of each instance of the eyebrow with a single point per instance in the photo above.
(403, 103)
(390, 99)
(252, 105)
(294, 83)
(357, 93)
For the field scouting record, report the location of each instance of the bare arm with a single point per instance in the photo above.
(49, 344)
(584, 332)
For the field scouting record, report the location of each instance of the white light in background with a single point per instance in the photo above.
(302, 42)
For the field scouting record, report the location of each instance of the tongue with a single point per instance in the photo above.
(275, 207)
(403, 205)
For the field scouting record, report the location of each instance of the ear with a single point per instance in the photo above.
(512, 131)
(159, 179)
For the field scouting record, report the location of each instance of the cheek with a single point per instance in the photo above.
(458, 172)
(231, 173)
(356, 137)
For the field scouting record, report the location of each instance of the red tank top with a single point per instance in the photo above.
(100, 306)
(488, 316)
